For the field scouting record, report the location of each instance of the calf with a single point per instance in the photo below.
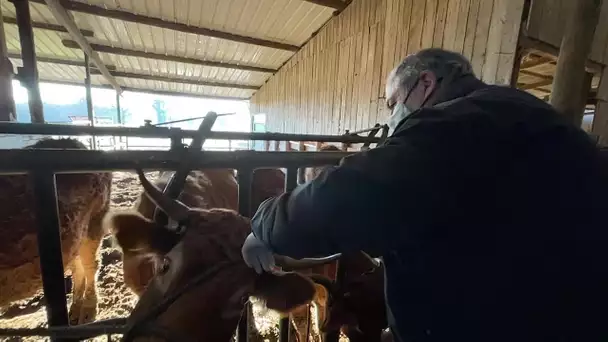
(83, 200)
(209, 308)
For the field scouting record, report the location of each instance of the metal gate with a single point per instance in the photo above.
(43, 164)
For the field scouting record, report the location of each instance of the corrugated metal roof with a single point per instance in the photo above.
(289, 22)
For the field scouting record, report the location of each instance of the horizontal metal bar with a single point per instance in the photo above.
(77, 161)
(168, 132)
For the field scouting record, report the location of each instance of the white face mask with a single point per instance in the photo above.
(400, 112)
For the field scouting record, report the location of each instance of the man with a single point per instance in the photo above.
(484, 204)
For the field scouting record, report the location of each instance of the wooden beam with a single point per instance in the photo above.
(29, 72)
(63, 17)
(537, 75)
(7, 102)
(172, 58)
(148, 91)
(536, 62)
(536, 84)
(82, 7)
(89, 98)
(549, 50)
(179, 80)
(336, 4)
(48, 27)
(59, 61)
(570, 79)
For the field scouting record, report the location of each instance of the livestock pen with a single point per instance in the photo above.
(43, 164)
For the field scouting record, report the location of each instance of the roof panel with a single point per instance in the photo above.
(276, 22)
(285, 21)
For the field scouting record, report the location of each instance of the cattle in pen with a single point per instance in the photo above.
(207, 189)
(206, 237)
(83, 199)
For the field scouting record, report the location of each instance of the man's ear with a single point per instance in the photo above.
(284, 292)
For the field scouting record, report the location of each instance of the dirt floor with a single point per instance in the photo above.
(115, 300)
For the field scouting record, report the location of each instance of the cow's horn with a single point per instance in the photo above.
(296, 264)
(175, 209)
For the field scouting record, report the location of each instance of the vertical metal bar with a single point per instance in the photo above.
(245, 180)
(29, 73)
(87, 87)
(291, 182)
(49, 246)
(301, 175)
(118, 112)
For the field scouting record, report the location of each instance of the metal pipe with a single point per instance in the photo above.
(245, 181)
(291, 182)
(29, 72)
(89, 97)
(365, 130)
(168, 132)
(188, 119)
(49, 246)
(176, 183)
(80, 161)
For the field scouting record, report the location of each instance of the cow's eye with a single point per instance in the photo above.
(164, 266)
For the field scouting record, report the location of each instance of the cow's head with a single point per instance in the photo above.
(312, 172)
(201, 307)
(357, 303)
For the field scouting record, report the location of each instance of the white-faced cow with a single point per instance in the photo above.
(83, 200)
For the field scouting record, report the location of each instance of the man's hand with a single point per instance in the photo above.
(257, 255)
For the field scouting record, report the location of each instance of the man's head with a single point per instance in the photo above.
(413, 83)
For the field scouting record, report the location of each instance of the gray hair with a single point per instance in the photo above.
(442, 63)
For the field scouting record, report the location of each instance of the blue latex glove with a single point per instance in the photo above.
(257, 255)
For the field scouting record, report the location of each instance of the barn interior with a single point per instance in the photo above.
(306, 66)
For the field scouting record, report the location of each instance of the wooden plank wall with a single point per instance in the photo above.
(336, 81)
(547, 21)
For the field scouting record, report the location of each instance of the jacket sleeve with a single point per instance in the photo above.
(377, 200)
(336, 212)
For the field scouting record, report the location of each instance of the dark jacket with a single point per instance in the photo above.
(487, 211)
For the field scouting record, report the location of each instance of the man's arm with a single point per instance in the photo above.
(341, 210)
(377, 200)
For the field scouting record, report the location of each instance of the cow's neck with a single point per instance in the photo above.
(211, 312)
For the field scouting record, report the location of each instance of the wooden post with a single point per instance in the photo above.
(87, 86)
(7, 103)
(574, 50)
(29, 73)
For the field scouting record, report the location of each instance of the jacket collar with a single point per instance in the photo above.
(457, 88)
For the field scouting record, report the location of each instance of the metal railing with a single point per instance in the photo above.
(43, 164)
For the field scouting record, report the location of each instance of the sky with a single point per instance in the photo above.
(140, 106)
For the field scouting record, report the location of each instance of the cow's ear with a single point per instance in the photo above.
(132, 232)
(284, 292)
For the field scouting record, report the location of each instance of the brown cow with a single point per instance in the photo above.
(83, 200)
(210, 308)
(205, 190)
